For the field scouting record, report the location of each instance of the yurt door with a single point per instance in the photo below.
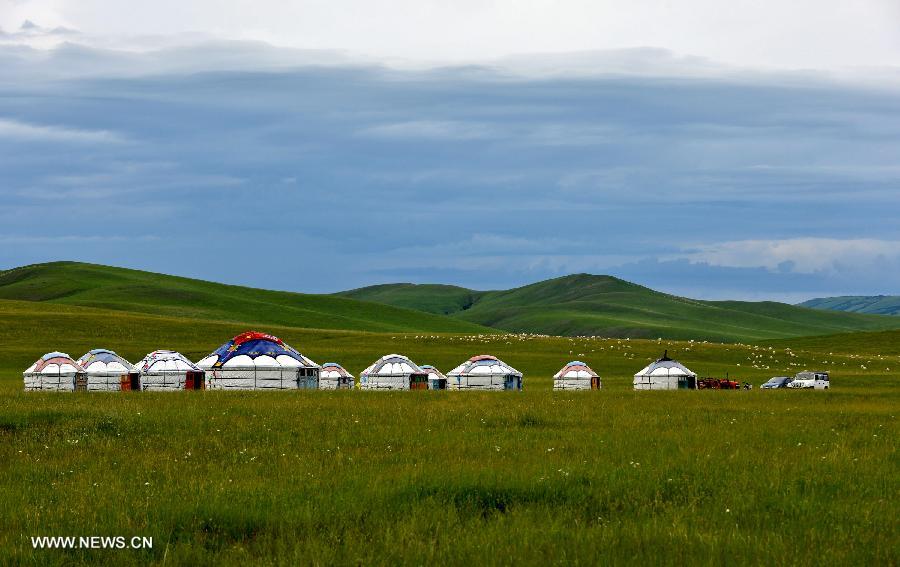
(194, 380)
(131, 381)
(595, 383)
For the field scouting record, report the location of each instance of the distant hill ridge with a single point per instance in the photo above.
(584, 304)
(580, 304)
(121, 289)
(872, 304)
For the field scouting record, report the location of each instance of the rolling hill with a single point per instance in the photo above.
(572, 305)
(872, 304)
(120, 289)
(603, 305)
(431, 298)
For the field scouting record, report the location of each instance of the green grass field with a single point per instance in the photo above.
(352, 477)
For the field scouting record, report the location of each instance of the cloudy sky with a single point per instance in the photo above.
(751, 152)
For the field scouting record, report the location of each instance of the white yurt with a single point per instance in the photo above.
(393, 372)
(106, 370)
(665, 374)
(55, 371)
(576, 375)
(436, 379)
(169, 370)
(257, 361)
(333, 376)
(484, 372)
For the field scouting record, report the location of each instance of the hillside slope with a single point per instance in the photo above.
(431, 298)
(872, 344)
(89, 285)
(872, 304)
(603, 305)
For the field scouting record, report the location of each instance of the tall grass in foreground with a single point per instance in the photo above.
(533, 477)
(615, 476)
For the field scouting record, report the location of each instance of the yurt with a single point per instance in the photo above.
(393, 372)
(55, 371)
(665, 374)
(257, 361)
(333, 376)
(169, 370)
(106, 370)
(484, 372)
(436, 378)
(576, 375)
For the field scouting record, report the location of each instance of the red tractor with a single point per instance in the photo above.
(718, 384)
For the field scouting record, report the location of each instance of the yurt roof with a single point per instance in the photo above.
(334, 370)
(54, 363)
(576, 369)
(666, 366)
(253, 349)
(432, 371)
(166, 361)
(393, 365)
(483, 364)
(104, 360)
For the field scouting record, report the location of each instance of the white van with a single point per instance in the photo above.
(816, 380)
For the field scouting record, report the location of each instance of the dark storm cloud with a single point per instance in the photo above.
(464, 175)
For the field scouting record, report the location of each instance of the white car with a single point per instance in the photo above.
(810, 380)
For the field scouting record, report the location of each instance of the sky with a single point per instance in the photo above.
(750, 153)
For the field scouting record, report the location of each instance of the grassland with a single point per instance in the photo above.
(580, 305)
(105, 287)
(602, 305)
(614, 477)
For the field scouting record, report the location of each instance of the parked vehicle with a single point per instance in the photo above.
(718, 384)
(811, 380)
(778, 382)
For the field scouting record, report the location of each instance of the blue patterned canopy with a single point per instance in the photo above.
(253, 344)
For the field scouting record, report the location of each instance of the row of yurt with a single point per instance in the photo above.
(254, 360)
(249, 361)
(398, 372)
(98, 369)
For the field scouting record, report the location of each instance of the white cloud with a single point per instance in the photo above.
(768, 33)
(799, 255)
(24, 131)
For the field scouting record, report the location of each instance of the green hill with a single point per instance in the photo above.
(89, 285)
(603, 305)
(572, 305)
(872, 304)
(431, 298)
